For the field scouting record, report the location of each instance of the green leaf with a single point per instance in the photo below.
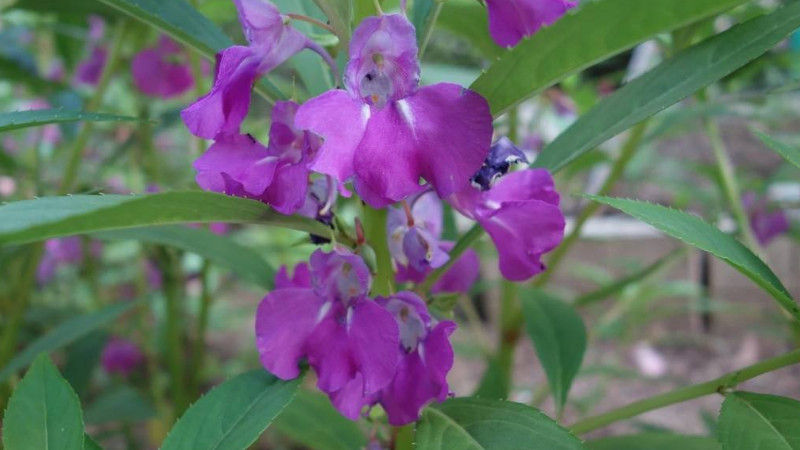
(123, 404)
(558, 334)
(420, 16)
(64, 334)
(789, 153)
(749, 421)
(82, 359)
(43, 412)
(468, 19)
(38, 117)
(234, 414)
(670, 82)
(179, 20)
(696, 232)
(654, 441)
(90, 444)
(339, 13)
(494, 383)
(311, 420)
(50, 217)
(241, 260)
(477, 424)
(596, 32)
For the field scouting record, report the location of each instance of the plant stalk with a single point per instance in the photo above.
(199, 350)
(719, 385)
(375, 231)
(173, 296)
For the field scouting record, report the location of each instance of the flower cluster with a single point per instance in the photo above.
(400, 146)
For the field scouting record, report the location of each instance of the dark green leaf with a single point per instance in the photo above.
(38, 117)
(670, 82)
(82, 359)
(478, 424)
(234, 414)
(64, 334)
(789, 153)
(494, 383)
(90, 444)
(468, 19)
(696, 232)
(558, 334)
(756, 421)
(43, 412)
(596, 32)
(44, 218)
(123, 404)
(420, 15)
(311, 420)
(182, 22)
(654, 441)
(241, 260)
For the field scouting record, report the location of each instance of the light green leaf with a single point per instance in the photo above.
(182, 22)
(64, 334)
(43, 412)
(468, 19)
(478, 424)
(789, 153)
(90, 444)
(241, 260)
(558, 334)
(757, 421)
(49, 217)
(234, 414)
(494, 383)
(654, 441)
(311, 420)
(696, 232)
(596, 32)
(123, 404)
(670, 82)
(420, 15)
(38, 117)
(339, 13)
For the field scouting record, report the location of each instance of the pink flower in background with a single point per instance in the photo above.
(511, 20)
(384, 132)
(767, 223)
(89, 70)
(121, 356)
(60, 252)
(162, 71)
(271, 43)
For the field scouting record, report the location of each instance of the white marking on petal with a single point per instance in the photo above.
(266, 160)
(323, 311)
(365, 113)
(349, 319)
(493, 205)
(405, 111)
(421, 351)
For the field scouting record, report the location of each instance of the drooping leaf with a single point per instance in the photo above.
(596, 32)
(696, 232)
(311, 420)
(789, 153)
(339, 13)
(33, 118)
(45, 218)
(123, 404)
(559, 336)
(749, 421)
(234, 414)
(478, 424)
(43, 412)
(670, 82)
(494, 383)
(179, 20)
(654, 441)
(241, 260)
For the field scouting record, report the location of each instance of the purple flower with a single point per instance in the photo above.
(321, 197)
(271, 42)
(300, 279)
(414, 233)
(89, 70)
(277, 175)
(59, 252)
(520, 213)
(459, 278)
(426, 357)
(385, 132)
(349, 340)
(162, 71)
(501, 156)
(766, 223)
(511, 20)
(121, 356)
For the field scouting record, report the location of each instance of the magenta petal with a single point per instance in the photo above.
(90, 70)
(261, 21)
(300, 279)
(330, 355)
(374, 340)
(287, 193)
(156, 74)
(350, 400)
(422, 250)
(242, 159)
(225, 106)
(461, 275)
(511, 20)
(284, 321)
(341, 121)
(339, 275)
(525, 184)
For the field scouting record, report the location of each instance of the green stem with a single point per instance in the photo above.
(509, 330)
(78, 146)
(618, 169)
(730, 186)
(429, 26)
(718, 385)
(198, 353)
(375, 230)
(173, 296)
